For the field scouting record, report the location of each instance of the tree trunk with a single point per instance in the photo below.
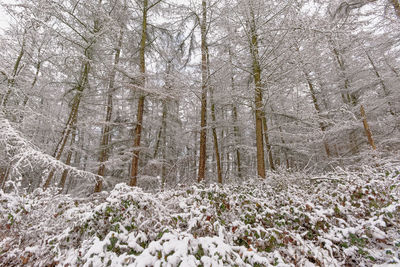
(140, 107)
(236, 132)
(347, 97)
(164, 144)
(158, 141)
(204, 87)
(4, 176)
(214, 121)
(396, 6)
(106, 133)
(38, 66)
(268, 145)
(384, 88)
(72, 118)
(318, 110)
(163, 129)
(214, 132)
(68, 161)
(73, 115)
(285, 150)
(367, 129)
(11, 81)
(258, 100)
(136, 142)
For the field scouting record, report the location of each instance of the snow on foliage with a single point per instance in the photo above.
(23, 154)
(341, 218)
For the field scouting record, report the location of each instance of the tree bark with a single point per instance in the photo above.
(367, 129)
(38, 65)
(285, 150)
(396, 6)
(68, 161)
(4, 176)
(214, 121)
(163, 130)
(268, 145)
(381, 81)
(106, 133)
(236, 132)
(347, 97)
(258, 99)
(215, 138)
(11, 81)
(318, 110)
(204, 87)
(140, 107)
(72, 118)
(158, 141)
(164, 144)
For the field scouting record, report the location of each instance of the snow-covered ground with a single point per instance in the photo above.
(337, 219)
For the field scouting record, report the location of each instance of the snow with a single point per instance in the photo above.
(284, 221)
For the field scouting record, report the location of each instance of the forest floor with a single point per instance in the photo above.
(343, 218)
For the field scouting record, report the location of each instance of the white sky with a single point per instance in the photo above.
(3, 18)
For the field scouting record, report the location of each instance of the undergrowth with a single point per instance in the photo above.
(338, 219)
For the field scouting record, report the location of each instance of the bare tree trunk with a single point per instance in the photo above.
(225, 153)
(136, 143)
(258, 100)
(158, 141)
(318, 110)
(214, 121)
(348, 98)
(106, 133)
(204, 87)
(11, 80)
(285, 150)
(367, 129)
(214, 132)
(384, 88)
(73, 115)
(237, 137)
(81, 86)
(163, 129)
(396, 6)
(236, 130)
(164, 144)
(268, 145)
(140, 108)
(72, 118)
(38, 66)
(68, 161)
(4, 176)
(3, 172)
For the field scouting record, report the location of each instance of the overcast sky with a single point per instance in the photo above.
(3, 18)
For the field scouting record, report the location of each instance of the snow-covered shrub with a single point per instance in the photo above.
(340, 218)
